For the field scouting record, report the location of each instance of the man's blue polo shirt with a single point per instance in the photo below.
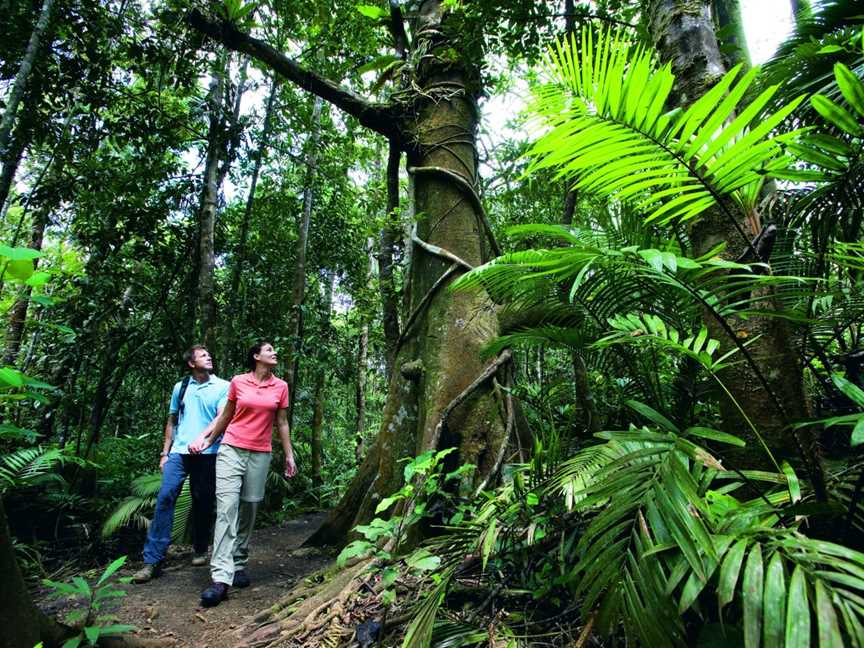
(201, 403)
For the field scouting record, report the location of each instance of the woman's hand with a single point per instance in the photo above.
(200, 444)
(290, 466)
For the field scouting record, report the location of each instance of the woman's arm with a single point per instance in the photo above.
(285, 436)
(214, 430)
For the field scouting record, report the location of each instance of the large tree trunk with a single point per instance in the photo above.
(770, 389)
(24, 625)
(18, 316)
(7, 153)
(298, 287)
(439, 357)
(216, 142)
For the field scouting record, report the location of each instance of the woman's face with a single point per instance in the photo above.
(267, 356)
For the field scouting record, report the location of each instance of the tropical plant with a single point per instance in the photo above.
(134, 510)
(91, 624)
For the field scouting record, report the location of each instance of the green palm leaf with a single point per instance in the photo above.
(606, 130)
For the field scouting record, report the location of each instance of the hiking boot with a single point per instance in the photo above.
(241, 579)
(199, 560)
(214, 595)
(146, 573)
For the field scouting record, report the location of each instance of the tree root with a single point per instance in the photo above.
(306, 611)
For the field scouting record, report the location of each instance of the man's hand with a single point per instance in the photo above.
(290, 466)
(162, 461)
(200, 444)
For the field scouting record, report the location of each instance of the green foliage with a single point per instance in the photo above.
(134, 509)
(90, 622)
(608, 132)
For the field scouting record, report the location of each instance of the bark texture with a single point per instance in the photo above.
(767, 380)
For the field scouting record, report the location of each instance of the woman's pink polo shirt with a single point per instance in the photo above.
(251, 427)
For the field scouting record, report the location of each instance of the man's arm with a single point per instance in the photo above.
(167, 442)
(285, 435)
(214, 430)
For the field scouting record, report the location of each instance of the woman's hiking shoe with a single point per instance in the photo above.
(241, 579)
(199, 560)
(146, 573)
(214, 595)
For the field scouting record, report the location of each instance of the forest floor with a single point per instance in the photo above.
(168, 608)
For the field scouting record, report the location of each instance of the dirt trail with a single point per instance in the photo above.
(169, 607)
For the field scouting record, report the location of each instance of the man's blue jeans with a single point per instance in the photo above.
(201, 470)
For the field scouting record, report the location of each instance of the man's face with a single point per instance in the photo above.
(202, 361)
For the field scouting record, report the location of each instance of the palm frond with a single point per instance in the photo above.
(606, 129)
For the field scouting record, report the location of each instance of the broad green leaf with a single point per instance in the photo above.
(109, 571)
(10, 377)
(21, 269)
(752, 592)
(850, 389)
(38, 279)
(857, 437)
(19, 253)
(774, 603)
(74, 642)
(356, 548)
(92, 633)
(792, 481)
(371, 11)
(715, 435)
(797, 611)
(378, 63)
(826, 617)
(117, 629)
(729, 571)
(652, 415)
(835, 114)
(851, 87)
(487, 541)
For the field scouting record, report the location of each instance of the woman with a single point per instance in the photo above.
(255, 399)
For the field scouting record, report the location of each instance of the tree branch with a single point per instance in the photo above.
(381, 118)
(397, 29)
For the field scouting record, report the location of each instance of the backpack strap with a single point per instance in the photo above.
(181, 406)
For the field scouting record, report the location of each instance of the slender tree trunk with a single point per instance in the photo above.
(216, 142)
(10, 163)
(20, 84)
(298, 289)
(320, 386)
(240, 253)
(389, 236)
(18, 315)
(727, 13)
(771, 390)
(360, 393)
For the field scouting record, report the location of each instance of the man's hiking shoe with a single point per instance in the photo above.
(199, 560)
(241, 579)
(214, 595)
(145, 573)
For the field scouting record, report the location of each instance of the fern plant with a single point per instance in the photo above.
(134, 510)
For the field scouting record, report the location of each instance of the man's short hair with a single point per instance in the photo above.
(189, 354)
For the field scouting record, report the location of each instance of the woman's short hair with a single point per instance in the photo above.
(255, 350)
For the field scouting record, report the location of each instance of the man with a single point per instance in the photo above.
(195, 402)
